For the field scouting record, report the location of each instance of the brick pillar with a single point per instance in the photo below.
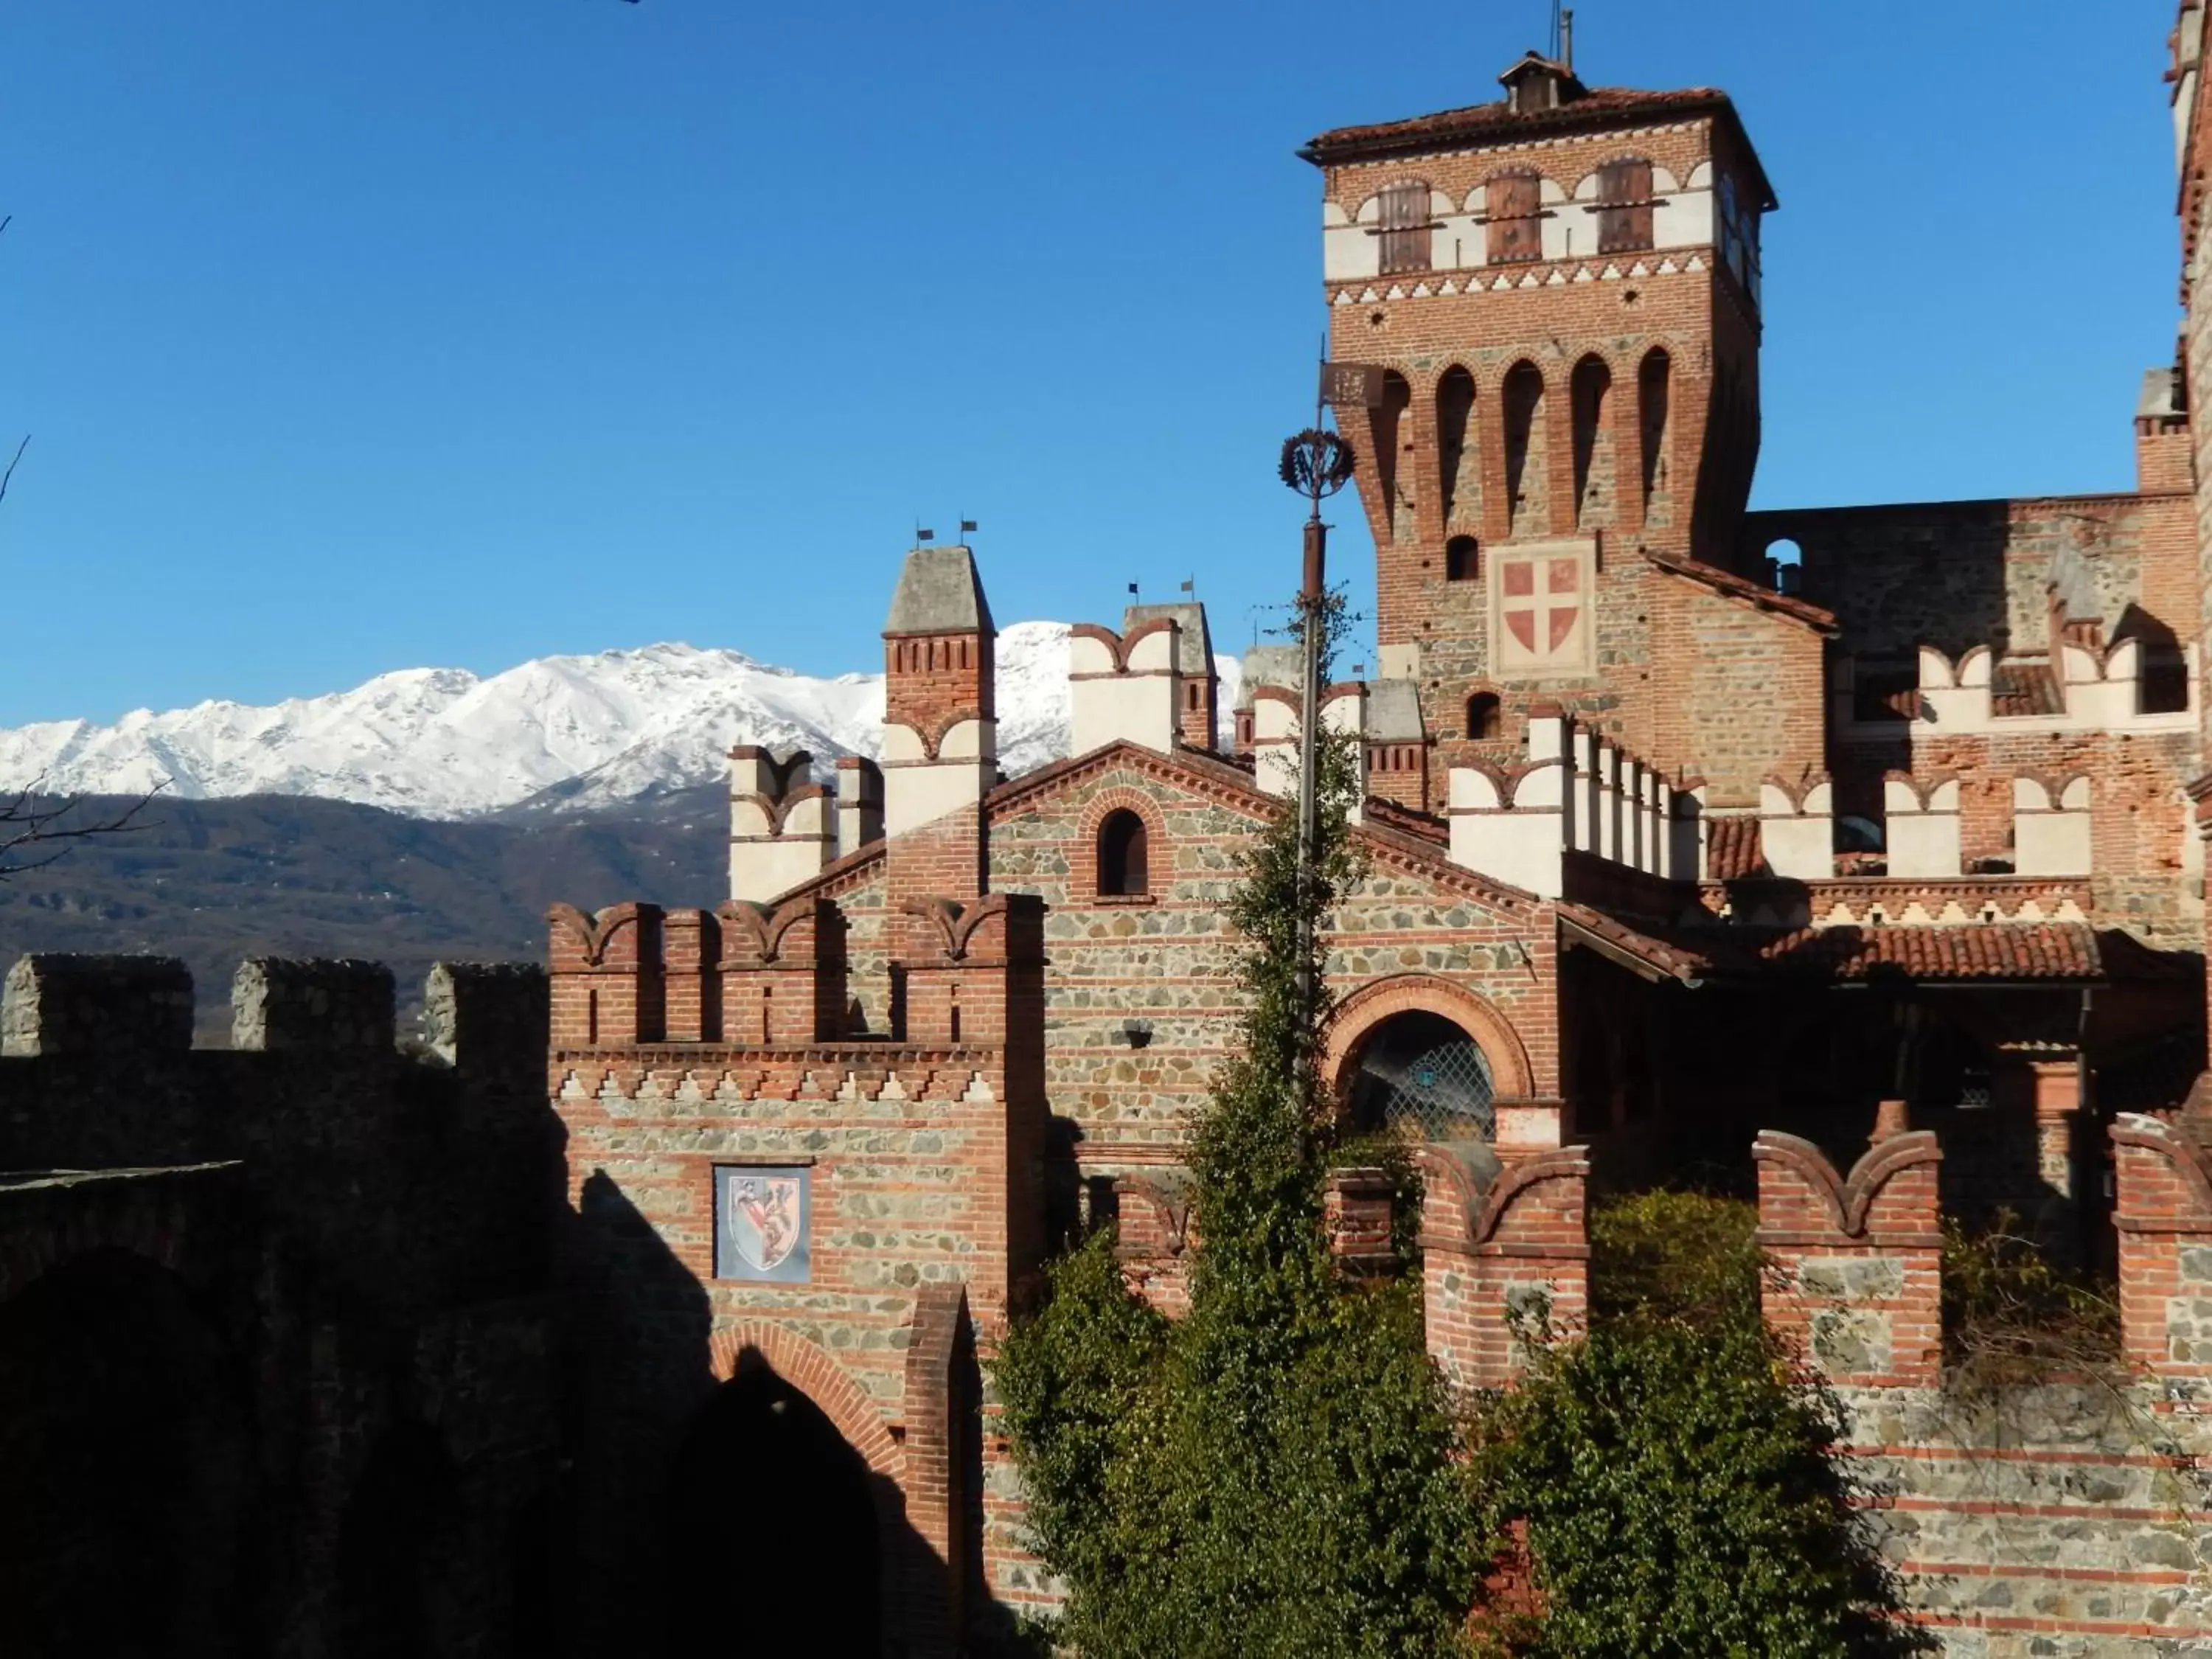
(1494, 1246)
(1152, 1241)
(781, 973)
(2162, 1212)
(2056, 1086)
(1356, 1208)
(1858, 1259)
(607, 982)
(975, 981)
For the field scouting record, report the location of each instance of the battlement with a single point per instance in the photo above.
(1576, 792)
(94, 1007)
(1125, 687)
(2077, 686)
(745, 975)
(784, 826)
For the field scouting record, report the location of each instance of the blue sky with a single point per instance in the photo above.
(363, 334)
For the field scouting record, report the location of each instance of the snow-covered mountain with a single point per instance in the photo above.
(568, 733)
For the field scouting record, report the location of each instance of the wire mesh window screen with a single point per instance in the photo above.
(1421, 1073)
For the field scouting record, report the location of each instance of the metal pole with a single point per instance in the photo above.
(1312, 604)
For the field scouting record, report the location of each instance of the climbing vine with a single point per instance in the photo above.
(1274, 1475)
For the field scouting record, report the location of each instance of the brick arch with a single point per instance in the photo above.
(808, 1368)
(1117, 798)
(156, 1232)
(1511, 1075)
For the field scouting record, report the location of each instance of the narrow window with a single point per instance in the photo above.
(1653, 401)
(1122, 856)
(1624, 206)
(1484, 721)
(1524, 438)
(592, 1017)
(1454, 411)
(1513, 209)
(1405, 227)
(1463, 559)
(1590, 393)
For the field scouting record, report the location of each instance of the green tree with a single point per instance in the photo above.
(1274, 1473)
(1679, 1482)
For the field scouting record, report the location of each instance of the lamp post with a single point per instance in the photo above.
(1317, 463)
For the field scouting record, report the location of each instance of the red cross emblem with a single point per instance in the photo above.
(1540, 603)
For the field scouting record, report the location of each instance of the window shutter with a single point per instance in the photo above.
(1624, 195)
(1515, 201)
(1405, 228)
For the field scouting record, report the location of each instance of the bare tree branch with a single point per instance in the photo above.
(5, 477)
(36, 820)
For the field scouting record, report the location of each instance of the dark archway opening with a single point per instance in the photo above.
(395, 1543)
(1419, 1073)
(124, 1468)
(772, 1535)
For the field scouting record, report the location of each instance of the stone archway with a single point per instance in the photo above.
(1402, 1030)
(775, 1530)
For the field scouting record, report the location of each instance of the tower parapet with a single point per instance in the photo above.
(783, 824)
(940, 726)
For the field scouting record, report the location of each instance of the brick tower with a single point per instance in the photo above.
(1562, 289)
(940, 727)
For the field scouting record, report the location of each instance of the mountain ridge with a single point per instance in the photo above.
(552, 736)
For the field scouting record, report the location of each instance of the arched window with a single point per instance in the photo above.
(1123, 865)
(1463, 559)
(1419, 1072)
(1484, 719)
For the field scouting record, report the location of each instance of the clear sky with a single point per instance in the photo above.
(364, 334)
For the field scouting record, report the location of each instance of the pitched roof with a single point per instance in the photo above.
(1498, 121)
(1996, 952)
(1728, 582)
(939, 593)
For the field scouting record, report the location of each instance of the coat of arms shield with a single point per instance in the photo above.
(763, 1223)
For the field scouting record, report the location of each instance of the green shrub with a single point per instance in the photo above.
(1681, 1489)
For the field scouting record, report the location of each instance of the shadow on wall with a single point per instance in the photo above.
(127, 1480)
(707, 1514)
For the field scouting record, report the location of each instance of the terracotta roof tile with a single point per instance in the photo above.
(2057, 949)
(2024, 687)
(1473, 120)
(1980, 950)
(1734, 849)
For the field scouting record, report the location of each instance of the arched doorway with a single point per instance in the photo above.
(125, 1472)
(773, 1541)
(1419, 1073)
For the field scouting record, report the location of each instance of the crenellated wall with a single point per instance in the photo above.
(265, 1310)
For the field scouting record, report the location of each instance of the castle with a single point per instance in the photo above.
(1851, 855)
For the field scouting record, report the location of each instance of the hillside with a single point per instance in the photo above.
(216, 881)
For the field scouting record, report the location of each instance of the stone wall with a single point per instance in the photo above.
(284, 1304)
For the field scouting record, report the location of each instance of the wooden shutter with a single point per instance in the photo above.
(1516, 233)
(1623, 213)
(1405, 228)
